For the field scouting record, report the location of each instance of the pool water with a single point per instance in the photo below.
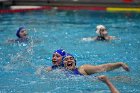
(51, 30)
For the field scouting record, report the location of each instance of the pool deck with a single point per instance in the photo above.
(9, 6)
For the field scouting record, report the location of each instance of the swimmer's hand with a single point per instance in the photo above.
(108, 83)
(48, 69)
(113, 37)
(89, 39)
(125, 66)
(103, 78)
(39, 70)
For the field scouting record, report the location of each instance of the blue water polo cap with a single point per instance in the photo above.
(67, 54)
(18, 31)
(61, 52)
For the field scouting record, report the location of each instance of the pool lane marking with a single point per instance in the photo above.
(80, 8)
(117, 9)
(15, 9)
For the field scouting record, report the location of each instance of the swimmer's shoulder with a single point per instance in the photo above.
(82, 69)
(11, 41)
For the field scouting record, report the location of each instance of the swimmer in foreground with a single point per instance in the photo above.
(105, 79)
(102, 35)
(57, 59)
(21, 34)
(70, 65)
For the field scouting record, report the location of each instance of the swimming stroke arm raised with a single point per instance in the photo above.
(105, 79)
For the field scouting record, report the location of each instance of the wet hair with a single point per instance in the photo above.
(18, 31)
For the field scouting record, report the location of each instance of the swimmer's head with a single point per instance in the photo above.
(69, 61)
(21, 32)
(101, 30)
(58, 56)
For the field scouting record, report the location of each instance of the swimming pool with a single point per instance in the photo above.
(65, 29)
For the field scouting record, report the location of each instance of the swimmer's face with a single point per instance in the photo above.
(69, 63)
(56, 59)
(103, 32)
(23, 33)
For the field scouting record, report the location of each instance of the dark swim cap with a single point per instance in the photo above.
(18, 31)
(61, 52)
(68, 55)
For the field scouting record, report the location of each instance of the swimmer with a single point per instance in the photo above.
(70, 64)
(21, 34)
(57, 59)
(105, 79)
(102, 35)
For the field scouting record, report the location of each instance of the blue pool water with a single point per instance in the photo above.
(50, 30)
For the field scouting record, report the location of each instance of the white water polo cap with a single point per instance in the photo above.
(98, 27)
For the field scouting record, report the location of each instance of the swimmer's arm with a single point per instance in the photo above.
(48, 69)
(90, 69)
(113, 37)
(36, 41)
(112, 88)
(42, 69)
(10, 41)
(94, 38)
(89, 39)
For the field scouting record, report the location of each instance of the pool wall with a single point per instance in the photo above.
(10, 6)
